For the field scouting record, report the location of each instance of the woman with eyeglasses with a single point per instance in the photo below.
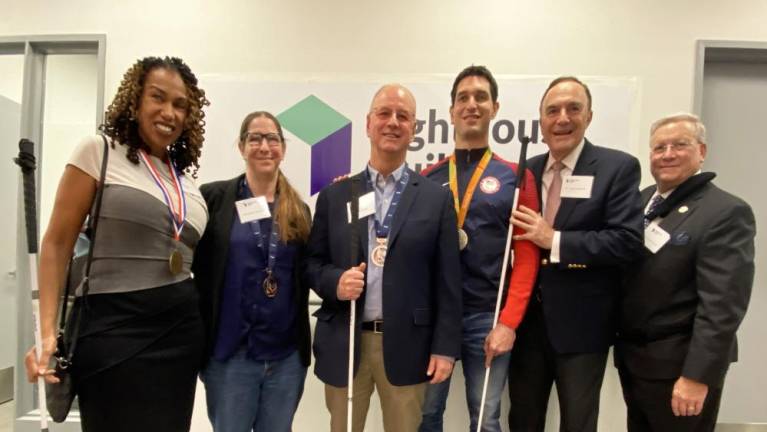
(248, 268)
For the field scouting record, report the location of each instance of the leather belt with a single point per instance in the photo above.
(374, 326)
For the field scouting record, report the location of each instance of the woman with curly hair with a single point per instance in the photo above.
(249, 269)
(141, 337)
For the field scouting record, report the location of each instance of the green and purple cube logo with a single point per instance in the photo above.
(327, 132)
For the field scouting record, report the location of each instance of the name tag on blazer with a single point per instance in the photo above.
(252, 209)
(367, 206)
(655, 237)
(576, 186)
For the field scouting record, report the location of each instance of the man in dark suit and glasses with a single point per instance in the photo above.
(406, 283)
(591, 226)
(683, 302)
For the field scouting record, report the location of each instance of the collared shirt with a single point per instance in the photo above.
(569, 162)
(665, 195)
(384, 188)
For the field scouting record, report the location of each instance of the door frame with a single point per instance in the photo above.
(726, 51)
(35, 49)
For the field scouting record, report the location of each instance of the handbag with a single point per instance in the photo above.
(59, 396)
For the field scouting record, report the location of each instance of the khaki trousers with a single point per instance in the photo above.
(401, 405)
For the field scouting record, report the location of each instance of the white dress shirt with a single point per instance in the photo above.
(569, 162)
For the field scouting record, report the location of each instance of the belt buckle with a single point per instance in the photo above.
(378, 326)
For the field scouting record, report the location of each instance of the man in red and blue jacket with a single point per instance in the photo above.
(482, 185)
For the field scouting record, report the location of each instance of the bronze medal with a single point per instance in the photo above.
(463, 239)
(378, 256)
(270, 285)
(176, 262)
(489, 185)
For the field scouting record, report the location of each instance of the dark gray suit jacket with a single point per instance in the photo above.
(681, 307)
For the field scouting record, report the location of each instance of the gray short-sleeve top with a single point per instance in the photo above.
(135, 236)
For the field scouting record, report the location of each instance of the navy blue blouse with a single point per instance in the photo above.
(248, 317)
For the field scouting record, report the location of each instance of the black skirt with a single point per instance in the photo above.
(137, 358)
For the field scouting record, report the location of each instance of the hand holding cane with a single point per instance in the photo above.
(508, 257)
(26, 160)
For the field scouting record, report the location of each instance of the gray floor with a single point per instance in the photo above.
(6, 416)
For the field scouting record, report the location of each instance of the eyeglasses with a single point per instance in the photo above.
(387, 113)
(676, 147)
(255, 139)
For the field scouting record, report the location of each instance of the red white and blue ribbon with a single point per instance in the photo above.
(177, 215)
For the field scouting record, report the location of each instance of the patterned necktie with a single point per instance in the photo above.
(650, 215)
(552, 197)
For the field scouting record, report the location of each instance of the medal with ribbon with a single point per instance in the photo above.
(382, 227)
(270, 282)
(177, 212)
(462, 205)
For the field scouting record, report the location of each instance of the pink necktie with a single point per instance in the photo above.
(552, 197)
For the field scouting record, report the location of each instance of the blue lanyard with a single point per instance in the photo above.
(383, 227)
(255, 226)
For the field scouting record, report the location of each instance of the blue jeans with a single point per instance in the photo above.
(476, 327)
(245, 394)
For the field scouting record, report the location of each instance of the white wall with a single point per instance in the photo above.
(10, 116)
(652, 40)
(69, 114)
(11, 78)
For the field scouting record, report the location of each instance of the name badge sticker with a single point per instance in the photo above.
(252, 209)
(576, 186)
(655, 237)
(367, 206)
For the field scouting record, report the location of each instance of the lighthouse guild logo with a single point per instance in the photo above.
(327, 132)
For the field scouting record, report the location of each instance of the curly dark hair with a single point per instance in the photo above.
(120, 118)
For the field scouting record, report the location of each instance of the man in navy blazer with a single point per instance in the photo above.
(682, 304)
(591, 226)
(405, 277)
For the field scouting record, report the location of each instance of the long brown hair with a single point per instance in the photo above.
(290, 206)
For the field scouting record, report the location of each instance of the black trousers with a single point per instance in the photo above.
(648, 403)
(535, 367)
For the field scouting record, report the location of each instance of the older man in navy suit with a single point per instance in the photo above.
(683, 302)
(591, 226)
(406, 281)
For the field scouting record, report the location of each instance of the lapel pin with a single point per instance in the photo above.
(683, 209)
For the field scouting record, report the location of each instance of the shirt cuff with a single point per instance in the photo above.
(444, 357)
(554, 254)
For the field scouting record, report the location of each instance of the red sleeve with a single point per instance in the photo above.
(525, 264)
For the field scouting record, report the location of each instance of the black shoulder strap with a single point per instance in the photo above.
(93, 220)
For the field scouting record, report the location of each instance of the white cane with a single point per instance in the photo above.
(508, 257)
(26, 161)
(354, 207)
(350, 377)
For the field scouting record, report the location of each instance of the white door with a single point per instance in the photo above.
(10, 116)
